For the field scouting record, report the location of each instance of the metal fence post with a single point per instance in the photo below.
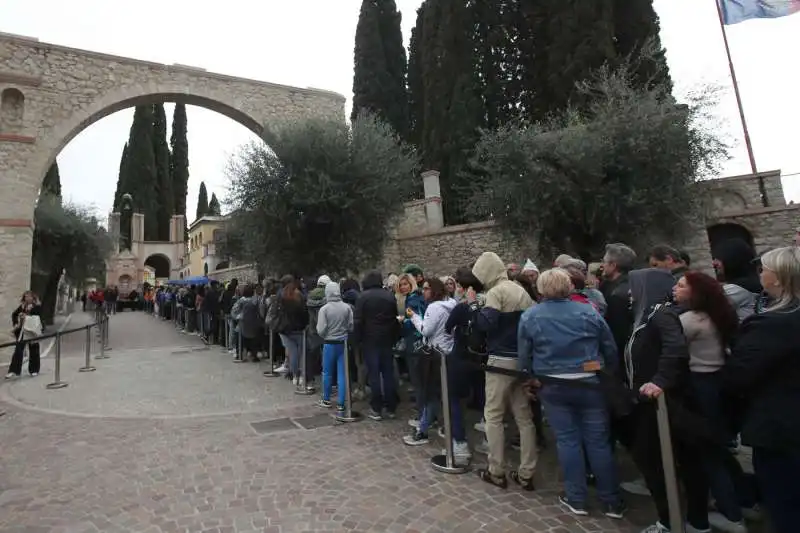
(101, 331)
(668, 463)
(240, 349)
(271, 372)
(348, 415)
(303, 389)
(57, 383)
(446, 463)
(87, 367)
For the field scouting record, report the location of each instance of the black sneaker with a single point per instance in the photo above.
(417, 439)
(325, 404)
(374, 415)
(615, 511)
(578, 509)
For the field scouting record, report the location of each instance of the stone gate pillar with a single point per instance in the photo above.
(433, 199)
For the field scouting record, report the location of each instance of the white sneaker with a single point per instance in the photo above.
(11, 375)
(282, 369)
(34, 374)
(481, 426)
(414, 423)
(301, 382)
(655, 528)
(296, 381)
(637, 487)
(721, 522)
(461, 453)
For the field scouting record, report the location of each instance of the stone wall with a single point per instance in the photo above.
(244, 273)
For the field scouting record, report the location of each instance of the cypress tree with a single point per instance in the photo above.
(163, 179)
(416, 89)
(379, 80)
(141, 174)
(636, 25)
(452, 112)
(179, 160)
(213, 206)
(202, 202)
(52, 182)
(121, 178)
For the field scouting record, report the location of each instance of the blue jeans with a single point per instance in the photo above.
(430, 411)
(293, 343)
(414, 374)
(380, 367)
(580, 421)
(777, 473)
(726, 479)
(333, 366)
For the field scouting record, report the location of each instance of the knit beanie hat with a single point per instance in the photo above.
(530, 266)
(413, 269)
(323, 280)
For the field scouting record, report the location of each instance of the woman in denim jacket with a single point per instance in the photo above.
(569, 342)
(408, 296)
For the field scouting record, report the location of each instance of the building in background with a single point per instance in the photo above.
(204, 233)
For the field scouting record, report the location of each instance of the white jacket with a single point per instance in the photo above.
(431, 326)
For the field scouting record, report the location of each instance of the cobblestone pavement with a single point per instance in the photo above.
(159, 439)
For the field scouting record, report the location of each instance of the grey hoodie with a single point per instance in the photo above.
(335, 319)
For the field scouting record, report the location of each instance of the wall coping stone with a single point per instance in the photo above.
(744, 177)
(755, 211)
(459, 228)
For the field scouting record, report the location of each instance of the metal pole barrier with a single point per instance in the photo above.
(668, 462)
(225, 332)
(303, 389)
(240, 353)
(100, 328)
(106, 332)
(271, 372)
(446, 463)
(348, 415)
(57, 383)
(87, 367)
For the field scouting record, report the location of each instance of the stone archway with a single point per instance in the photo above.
(64, 90)
(723, 231)
(160, 264)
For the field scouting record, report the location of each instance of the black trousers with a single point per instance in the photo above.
(639, 434)
(34, 362)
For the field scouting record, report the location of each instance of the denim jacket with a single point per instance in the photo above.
(561, 336)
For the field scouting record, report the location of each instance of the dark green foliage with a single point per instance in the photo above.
(202, 202)
(447, 103)
(121, 178)
(140, 178)
(379, 80)
(636, 28)
(320, 198)
(165, 208)
(66, 237)
(213, 206)
(52, 182)
(618, 168)
(179, 160)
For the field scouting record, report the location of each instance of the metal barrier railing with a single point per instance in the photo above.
(102, 338)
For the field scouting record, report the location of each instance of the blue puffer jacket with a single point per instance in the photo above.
(415, 302)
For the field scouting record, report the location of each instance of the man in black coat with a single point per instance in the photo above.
(618, 261)
(376, 329)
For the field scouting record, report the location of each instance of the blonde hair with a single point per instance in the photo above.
(407, 277)
(785, 263)
(554, 283)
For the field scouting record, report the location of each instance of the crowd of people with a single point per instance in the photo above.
(589, 346)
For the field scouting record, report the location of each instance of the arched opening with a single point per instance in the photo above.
(125, 284)
(160, 265)
(719, 233)
(181, 275)
(12, 110)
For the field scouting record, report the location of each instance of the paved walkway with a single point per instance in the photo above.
(165, 437)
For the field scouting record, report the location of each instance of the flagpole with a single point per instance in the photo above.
(747, 142)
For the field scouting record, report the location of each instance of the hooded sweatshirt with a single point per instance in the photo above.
(375, 317)
(505, 302)
(432, 325)
(742, 285)
(335, 320)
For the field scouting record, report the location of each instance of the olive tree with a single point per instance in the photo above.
(318, 196)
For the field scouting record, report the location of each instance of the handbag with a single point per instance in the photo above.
(32, 325)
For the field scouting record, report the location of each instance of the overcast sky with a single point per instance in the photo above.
(309, 43)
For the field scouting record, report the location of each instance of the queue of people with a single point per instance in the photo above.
(590, 346)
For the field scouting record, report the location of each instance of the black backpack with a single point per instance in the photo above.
(477, 350)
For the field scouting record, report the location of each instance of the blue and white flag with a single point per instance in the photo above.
(736, 11)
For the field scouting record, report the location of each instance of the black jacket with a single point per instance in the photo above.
(375, 318)
(618, 314)
(764, 367)
(210, 301)
(658, 352)
(226, 302)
